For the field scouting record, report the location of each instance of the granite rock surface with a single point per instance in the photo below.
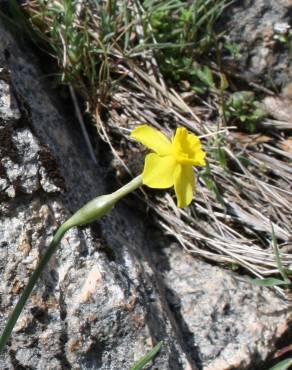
(262, 30)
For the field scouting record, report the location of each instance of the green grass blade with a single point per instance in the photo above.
(273, 281)
(270, 282)
(278, 258)
(158, 6)
(283, 365)
(206, 176)
(148, 357)
(126, 23)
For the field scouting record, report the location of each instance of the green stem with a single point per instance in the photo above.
(101, 205)
(93, 210)
(128, 188)
(32, 281)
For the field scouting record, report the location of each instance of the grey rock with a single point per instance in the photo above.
(8, 106)
(278, 107)
(256, 26)
(231, 323)
(109, 293)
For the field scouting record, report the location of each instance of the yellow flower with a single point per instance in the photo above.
(172, 161)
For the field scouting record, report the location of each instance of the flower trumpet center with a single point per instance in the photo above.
(180, 155)
(186, 148)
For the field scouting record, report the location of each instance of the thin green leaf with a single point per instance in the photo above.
(148, 357)
(157, 6)
(278, 258)
(126, 22)
(205, 75)
(270, 282)
(283, 365)
(206, 176)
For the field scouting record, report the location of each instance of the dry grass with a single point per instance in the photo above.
(247, 185)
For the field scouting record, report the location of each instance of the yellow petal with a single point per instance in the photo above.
(159, 171)
(184, 181)
(152, 139)
(181, 134)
